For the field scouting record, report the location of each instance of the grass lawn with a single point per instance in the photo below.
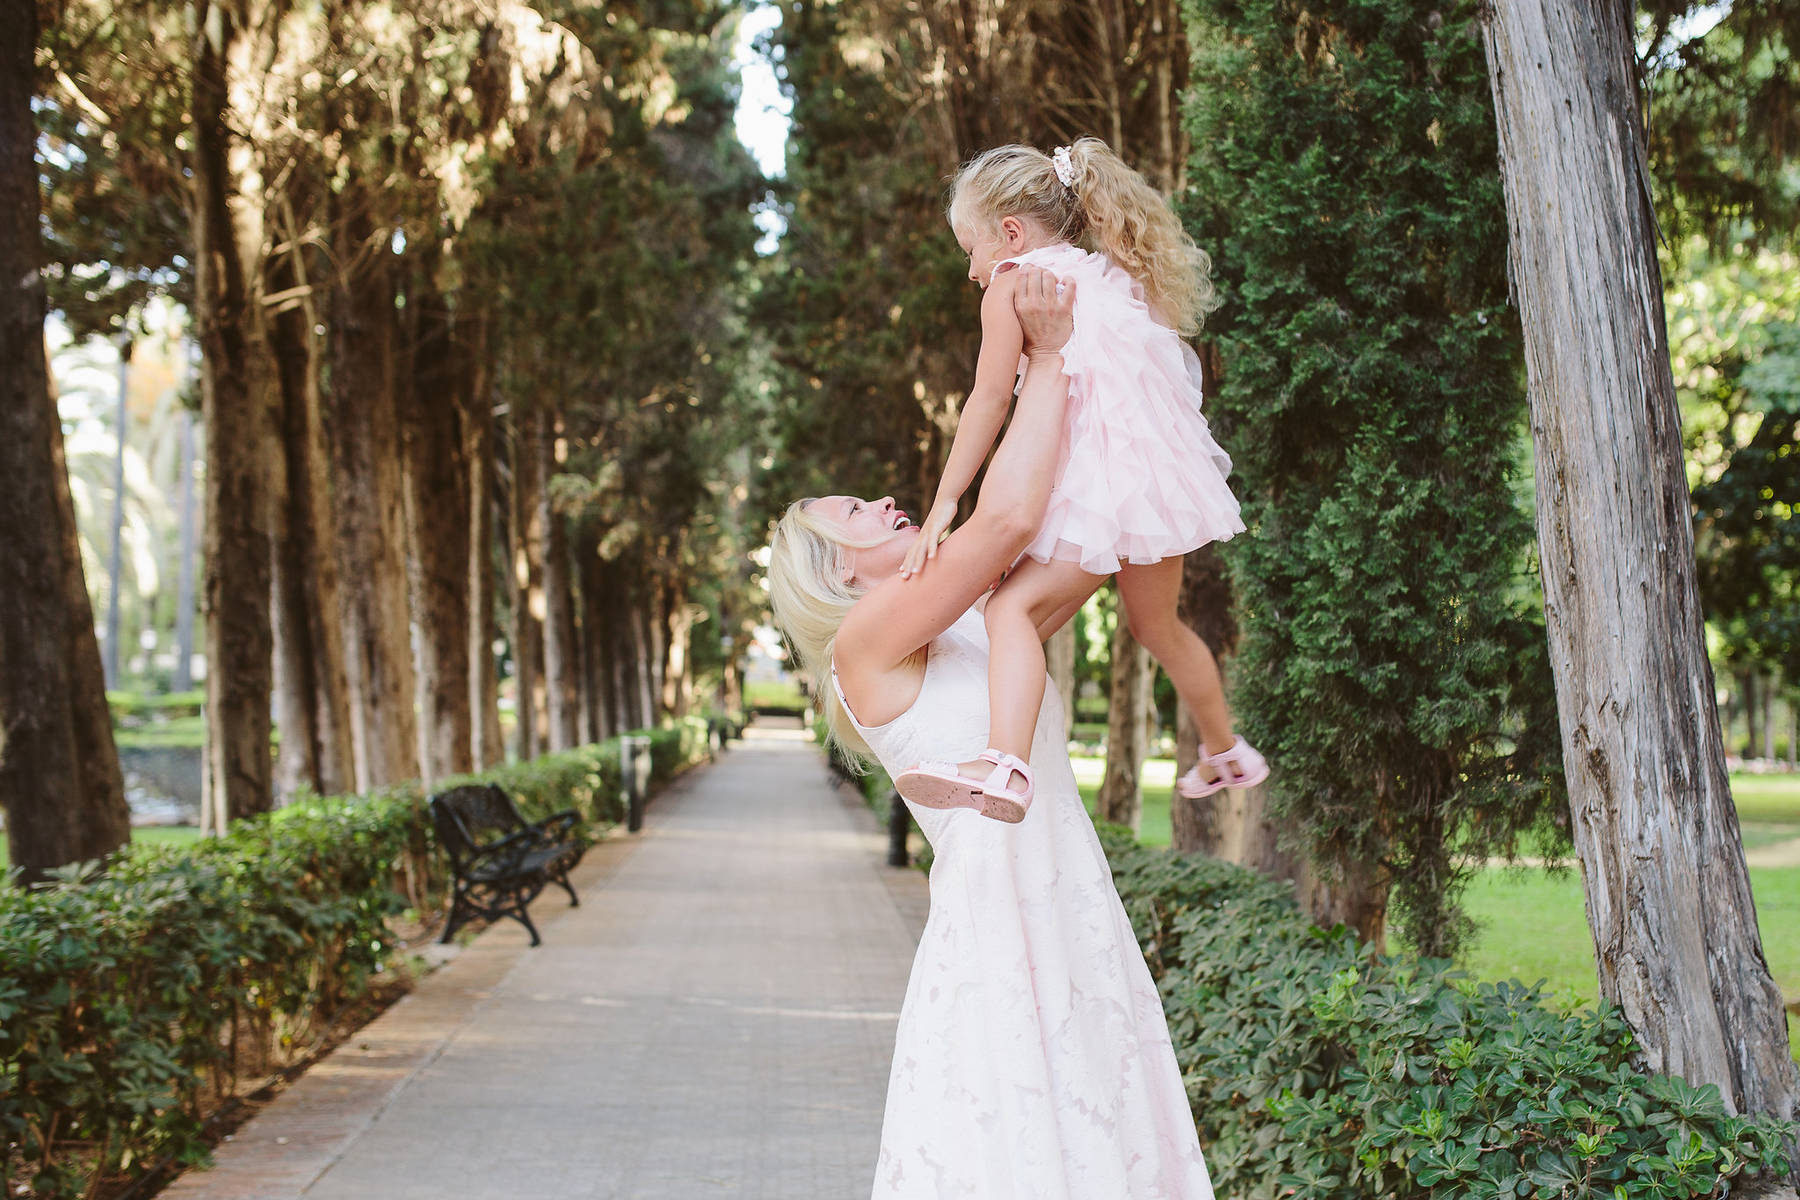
(146, 833)
(1533, 922)
(1157, 781)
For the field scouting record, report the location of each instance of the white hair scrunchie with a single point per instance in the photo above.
(1065, 169)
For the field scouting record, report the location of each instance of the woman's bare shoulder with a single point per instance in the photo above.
(877, 690)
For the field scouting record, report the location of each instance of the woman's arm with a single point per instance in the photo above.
(985, 409)
(900, 615)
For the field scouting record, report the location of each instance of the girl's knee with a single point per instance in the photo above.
(1150, 630)
(1004, 609)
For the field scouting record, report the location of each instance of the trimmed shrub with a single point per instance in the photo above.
(131, 999)
(1320, 1071)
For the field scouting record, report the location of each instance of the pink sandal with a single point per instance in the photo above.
(941, 785)
(1240, 766)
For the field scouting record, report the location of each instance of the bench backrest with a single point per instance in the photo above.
(472, 816)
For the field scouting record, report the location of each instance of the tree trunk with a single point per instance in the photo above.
(1121, 799)
(643, 700)
(437, 518)
(51, 707)
(235, 402)
(486, 747)
(1747, 689)
(1768, 694)
(115, 560)
(1668, 897)
(562, 662)
(184, 570)
(678, 621)
(1059, 660)
(368, 501)
(102, 818)
(588, 579)
(526, 582)
(1793, 733)
(311, 697)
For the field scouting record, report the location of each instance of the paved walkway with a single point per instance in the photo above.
(716, 1019)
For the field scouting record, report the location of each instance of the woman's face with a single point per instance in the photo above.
(866, 521)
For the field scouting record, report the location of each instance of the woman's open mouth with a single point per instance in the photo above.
(902, 521)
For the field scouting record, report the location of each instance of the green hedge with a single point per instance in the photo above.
(125, 995)
(1319, 1071)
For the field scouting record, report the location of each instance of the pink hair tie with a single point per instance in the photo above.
(1065, 169)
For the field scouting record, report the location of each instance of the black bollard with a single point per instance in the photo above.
(899, 824)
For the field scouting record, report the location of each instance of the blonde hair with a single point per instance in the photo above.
(1108, 203)
(810, 599)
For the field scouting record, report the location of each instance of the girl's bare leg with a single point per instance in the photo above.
(1052, 624)
(1030, 596)
(1150, 593)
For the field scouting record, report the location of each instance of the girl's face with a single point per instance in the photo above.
(866, 521)
(989, 245)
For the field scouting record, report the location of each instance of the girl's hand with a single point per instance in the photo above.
(931, 532)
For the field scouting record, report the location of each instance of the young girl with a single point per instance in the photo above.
(1140, 480)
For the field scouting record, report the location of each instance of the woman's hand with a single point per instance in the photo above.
(1045, 308)
(931, 532)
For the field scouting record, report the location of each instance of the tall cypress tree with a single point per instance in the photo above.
(1392, 665)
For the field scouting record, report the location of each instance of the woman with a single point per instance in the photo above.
(1032, 1060)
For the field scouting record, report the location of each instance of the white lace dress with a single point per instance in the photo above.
(1032, 1060)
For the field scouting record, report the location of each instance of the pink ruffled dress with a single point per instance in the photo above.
(1140, 477)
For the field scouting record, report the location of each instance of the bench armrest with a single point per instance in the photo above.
(557, 827)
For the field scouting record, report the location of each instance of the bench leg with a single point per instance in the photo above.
(562, 881)
(520, 914)
(460, 912)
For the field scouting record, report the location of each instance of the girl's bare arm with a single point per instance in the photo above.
(900, 615)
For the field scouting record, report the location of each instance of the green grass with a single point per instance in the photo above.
(147, 833)
(1773, 799)
(1157, 781)
(176, 731)
(782, 694)
(1533, 922)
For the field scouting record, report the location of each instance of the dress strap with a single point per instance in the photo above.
(839, 689)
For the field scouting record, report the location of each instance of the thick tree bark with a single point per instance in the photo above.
(59, 771)
(1121, 798)
(1668, 897)
(486, 747)
(235, 406)
(371, 548)
(562, 661)
(437, 517)
(311, 698)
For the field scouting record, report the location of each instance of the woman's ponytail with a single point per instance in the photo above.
(1131, 223)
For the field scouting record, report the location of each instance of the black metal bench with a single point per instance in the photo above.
(500, 861)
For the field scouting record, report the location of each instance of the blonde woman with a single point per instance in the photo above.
(1032, 1059)
(1140, 482)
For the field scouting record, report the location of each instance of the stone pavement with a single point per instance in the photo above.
(716, 1019)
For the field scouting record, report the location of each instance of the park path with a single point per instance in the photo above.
(716, 1019)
